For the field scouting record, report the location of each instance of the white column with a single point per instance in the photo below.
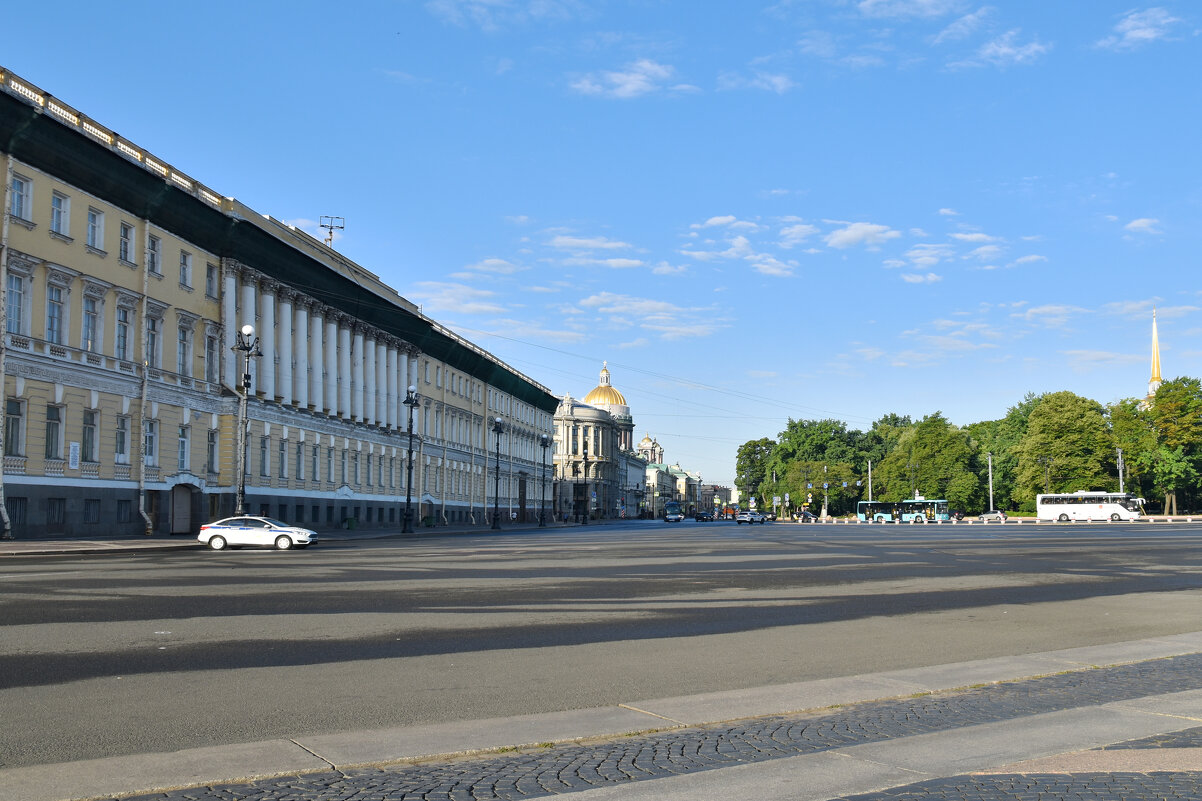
(369, 379)
(285, 347)
(343, 379)
(357, 375)
(267, 341)
(381, 384)
(329, 349)
(393, 385)
(248, 318)
(229, 325)
(300, 348)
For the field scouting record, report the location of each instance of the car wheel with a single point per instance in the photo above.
(1063, 518)
(283, 542)
(920, 520)
(1114, 518)
(217, 542)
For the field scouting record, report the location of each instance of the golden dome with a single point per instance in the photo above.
(604, 392)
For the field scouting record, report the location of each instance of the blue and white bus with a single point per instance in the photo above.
(911, 510)
(673, 512)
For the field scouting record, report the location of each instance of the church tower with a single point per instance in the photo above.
(1154, 381)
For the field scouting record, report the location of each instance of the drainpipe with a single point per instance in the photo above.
(446, 482)
(6, 533)
(148, 523)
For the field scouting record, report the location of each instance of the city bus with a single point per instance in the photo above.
(673, 512)
(1084, 505)
(916, 510)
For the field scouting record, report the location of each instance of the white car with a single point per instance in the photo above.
(261, 532)
(750, 517)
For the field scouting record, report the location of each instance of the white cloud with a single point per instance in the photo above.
(1052, 315)
(949, 212)
(818, 43)
(976, 237)
(926, 255)
(1030, 259)
(586, 243)
(1138, 28)
(1006, 51)
(639, 78)
(963, 27)
(618, 264)
(436, 296)
(491, 15)
(770, 265)
(667, 319)
(498, 266)
(918, 278)
(715, 221)
(907, 8)
(663, 268)
(795, 234)
(870, 235)
(1144, 225)
(1086, 360)
(984, 253)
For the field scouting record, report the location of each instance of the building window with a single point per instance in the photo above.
(22, 195)
(14, 428)
(17, 510)
(300, 461)
(152, 342)
(121, 441)
(151, 443)
(211, 452)
(185, 269)
(95, 234)
(54, 432)
(153, 249)
(344, 466)
(330, 465)
(16, 304)
(91, 317)
(125, 246)
(182, 450)
(211, 280)
(183, 352)
(54, 315)
(212, 360)
(88, 446)
(91, 510)
(369, 469)
(125, 510)
(283, 459)
(264, 456)
(316, 475)
(60, 214)
(123, 319)
(56, 511)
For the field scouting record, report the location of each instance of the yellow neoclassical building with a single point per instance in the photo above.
(126, 282)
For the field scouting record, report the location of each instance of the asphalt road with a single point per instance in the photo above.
(103, 655)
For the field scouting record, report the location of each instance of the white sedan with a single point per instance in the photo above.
(262, 532)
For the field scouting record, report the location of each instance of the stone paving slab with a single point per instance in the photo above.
(1150, 760)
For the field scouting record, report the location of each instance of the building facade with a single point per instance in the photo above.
(125, 283)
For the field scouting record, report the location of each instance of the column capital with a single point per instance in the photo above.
(268, 284)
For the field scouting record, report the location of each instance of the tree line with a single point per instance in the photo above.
(1055, 442)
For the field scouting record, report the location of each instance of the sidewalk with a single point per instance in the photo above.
(985, 751)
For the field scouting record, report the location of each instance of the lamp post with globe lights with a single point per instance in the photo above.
(543, 441)
(498, 428)
(248, 344)
(410, 401)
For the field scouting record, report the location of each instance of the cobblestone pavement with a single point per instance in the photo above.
(567, 768)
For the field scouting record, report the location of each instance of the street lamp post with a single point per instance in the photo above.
(497, 428)
(584, 518)
(248, 344)
(410, 401)
(544, 441)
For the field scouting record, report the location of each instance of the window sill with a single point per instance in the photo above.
(61, 237)
(95, 251)
(29, 224)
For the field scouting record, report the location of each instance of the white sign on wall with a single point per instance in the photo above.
(73, 456)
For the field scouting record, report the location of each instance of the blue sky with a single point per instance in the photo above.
(753, 211)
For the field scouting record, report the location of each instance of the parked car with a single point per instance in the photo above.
(703, 517)
(750, 517)
(956, 514)
(805, 516)
(992, 514)
(250, 530)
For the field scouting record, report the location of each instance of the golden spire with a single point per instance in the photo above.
(1154, 381)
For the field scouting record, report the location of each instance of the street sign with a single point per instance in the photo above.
(810, 485)
(809, 497)
(844, 485)
(825, 485)
(776, 500)
(786, 497)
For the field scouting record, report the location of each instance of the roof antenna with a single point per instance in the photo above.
(330, 224)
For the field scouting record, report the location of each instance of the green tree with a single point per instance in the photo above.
(1066, 447)
(934, 459)
(1133, 431)
(752, 464)
(1000, 438)
(1176, 416)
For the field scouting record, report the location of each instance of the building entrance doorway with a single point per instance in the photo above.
(181, 509)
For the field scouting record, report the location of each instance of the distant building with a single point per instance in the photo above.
(597, 472)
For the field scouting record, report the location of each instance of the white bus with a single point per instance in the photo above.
(1082, 505)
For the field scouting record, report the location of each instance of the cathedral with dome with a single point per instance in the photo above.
(599, 473)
